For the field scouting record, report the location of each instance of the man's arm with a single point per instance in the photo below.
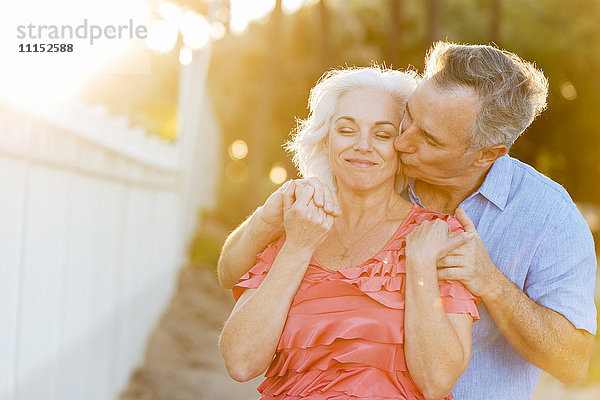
(542, 336)
(251, 237)
(264, 226)
(242, 246)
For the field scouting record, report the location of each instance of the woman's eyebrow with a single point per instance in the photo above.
(385, 123)
(346, 117)
(376, 122)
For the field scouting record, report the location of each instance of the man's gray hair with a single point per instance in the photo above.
(511, 91)
(307, 144)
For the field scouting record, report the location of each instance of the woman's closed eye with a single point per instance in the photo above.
(346, 130)
(383, 135)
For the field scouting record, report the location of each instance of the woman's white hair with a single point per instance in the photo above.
(307, 144)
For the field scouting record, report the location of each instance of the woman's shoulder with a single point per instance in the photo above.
(421, 214)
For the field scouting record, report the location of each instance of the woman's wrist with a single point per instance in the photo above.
(419, 260)
(301, 253)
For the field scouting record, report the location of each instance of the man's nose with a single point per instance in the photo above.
(404, 142)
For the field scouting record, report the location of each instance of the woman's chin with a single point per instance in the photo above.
(359, 185)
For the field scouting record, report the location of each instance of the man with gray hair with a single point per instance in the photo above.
(532, 259)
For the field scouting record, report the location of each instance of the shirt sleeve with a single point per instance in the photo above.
(563, 271)
(253, 278)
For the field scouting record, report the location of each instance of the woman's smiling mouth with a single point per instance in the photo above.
(361, 162)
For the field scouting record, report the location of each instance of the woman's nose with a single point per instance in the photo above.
(363, 142)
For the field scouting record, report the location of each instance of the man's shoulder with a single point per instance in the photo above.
(528, 184)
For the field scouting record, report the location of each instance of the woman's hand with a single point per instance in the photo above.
(271, 213)
(432, 240)
(437, 345)
(306, 224)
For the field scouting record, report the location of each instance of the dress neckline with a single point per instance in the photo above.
(315, 261)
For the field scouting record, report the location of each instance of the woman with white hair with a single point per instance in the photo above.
(350, 307)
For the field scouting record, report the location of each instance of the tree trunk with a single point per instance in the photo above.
(263, 115)
(434, 14)
(496, 13)
(325, 39)
(393, 33)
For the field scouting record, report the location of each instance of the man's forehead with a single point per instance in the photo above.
(430, 86)
(446, 114)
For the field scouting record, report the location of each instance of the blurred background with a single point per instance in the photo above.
(125, 163)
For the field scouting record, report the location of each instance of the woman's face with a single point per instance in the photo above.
(361, 137)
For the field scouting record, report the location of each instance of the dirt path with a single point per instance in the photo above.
(550, 388)
(183, 361)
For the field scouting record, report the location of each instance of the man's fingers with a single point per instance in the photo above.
(456, 241)
(288, 195)
(451, 274)
(464, 219)
(450, 261)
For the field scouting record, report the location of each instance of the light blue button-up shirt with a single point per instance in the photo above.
(536, 236)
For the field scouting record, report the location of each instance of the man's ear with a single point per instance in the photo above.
(488, 155)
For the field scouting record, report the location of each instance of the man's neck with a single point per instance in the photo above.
(447, 198)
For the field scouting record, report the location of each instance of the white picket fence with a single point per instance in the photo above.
(95, 217)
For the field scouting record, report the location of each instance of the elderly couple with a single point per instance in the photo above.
(413, 222)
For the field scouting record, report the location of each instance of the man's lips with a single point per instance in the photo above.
(361, 162)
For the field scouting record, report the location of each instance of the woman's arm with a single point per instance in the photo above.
(437, 345)
(250, 336)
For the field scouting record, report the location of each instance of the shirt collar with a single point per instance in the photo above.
(495, 187)
(412, 195)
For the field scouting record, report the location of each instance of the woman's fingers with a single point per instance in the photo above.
(323, 195)
(304, 195)
(332, 205)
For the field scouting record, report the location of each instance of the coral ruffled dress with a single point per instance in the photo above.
(343, 338)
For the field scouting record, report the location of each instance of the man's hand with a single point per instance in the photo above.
(470, 263)
(542, 336)
(432, 240)
(270, 214)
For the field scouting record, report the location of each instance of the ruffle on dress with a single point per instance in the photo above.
(344, 335)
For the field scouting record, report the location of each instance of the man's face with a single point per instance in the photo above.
(433, 140)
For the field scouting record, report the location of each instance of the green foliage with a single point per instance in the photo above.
(204, 250)
(560, 39)
(260, 81)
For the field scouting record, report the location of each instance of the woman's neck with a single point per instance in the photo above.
(361, 208)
